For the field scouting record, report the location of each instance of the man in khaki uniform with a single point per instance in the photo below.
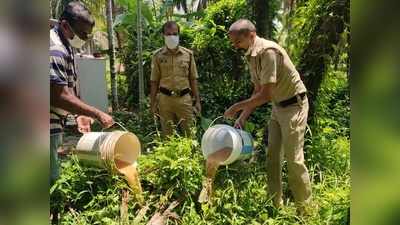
(174, 75)
(276, 80)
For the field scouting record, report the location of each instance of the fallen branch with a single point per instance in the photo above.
(161, 219)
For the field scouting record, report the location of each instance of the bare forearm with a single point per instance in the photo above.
(261, 95)
(255, 101)
(195, 89)
(74, 105)
(153, 91)
(61, 97)
(246, 113)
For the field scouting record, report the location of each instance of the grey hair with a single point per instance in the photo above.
(242, 26)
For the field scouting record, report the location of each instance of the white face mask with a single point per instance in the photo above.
(171, 41)
(76, 42)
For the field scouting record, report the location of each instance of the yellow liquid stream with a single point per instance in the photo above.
(213, 162)
(131, 175)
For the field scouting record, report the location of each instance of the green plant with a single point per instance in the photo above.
(173, 166)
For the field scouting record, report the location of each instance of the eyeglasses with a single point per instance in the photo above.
(235, 41)
(82, 35)
(236, 38)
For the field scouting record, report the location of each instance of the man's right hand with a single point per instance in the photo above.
(154, 109)
(105, 119)
(239, 123)
(84, 123)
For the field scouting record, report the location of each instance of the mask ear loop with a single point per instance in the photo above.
(71, 29)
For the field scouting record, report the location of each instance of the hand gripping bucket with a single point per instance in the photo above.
(105, 148)
(223, 136)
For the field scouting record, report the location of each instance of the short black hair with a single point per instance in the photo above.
(169, 24)
(76, 11)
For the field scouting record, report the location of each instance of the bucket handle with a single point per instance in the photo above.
(219, 117)
(119, 124)
(215, 120)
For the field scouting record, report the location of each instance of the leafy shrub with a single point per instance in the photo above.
(86, 194)
(173, 166)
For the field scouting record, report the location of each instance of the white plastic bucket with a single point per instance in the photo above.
(105, 148)
(222, 136)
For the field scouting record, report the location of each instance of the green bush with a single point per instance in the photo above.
(86, 194)
(173, 166)
(173, 170)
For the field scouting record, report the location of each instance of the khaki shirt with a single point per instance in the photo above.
(269, 63)
(173, 70)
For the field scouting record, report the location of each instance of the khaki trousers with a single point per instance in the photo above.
(176, 111)
(286, 139)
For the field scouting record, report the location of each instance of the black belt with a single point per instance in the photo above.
(291, 100)
(180, 93)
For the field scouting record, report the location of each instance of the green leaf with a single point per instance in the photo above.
(205, 123)
(129, 17)
(120, 19)
(249, 127)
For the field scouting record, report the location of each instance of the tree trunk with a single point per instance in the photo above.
(288, 9)
(52, 15)
(111, 52)
(326, 34)
(59, 7)
(140, 58)
(154, 8)
(289, 5)
(262, 18)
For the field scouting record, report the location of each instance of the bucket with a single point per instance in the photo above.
(107, 148)
(222, 136)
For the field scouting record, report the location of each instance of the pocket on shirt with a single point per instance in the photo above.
(183, 67)
(166, 69)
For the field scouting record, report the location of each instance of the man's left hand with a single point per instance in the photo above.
(198, 107)
(84, 123)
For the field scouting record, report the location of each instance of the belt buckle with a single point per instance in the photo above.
(174, 93)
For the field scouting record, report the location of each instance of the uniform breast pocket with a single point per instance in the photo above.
(183, 67)
(165, 69)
